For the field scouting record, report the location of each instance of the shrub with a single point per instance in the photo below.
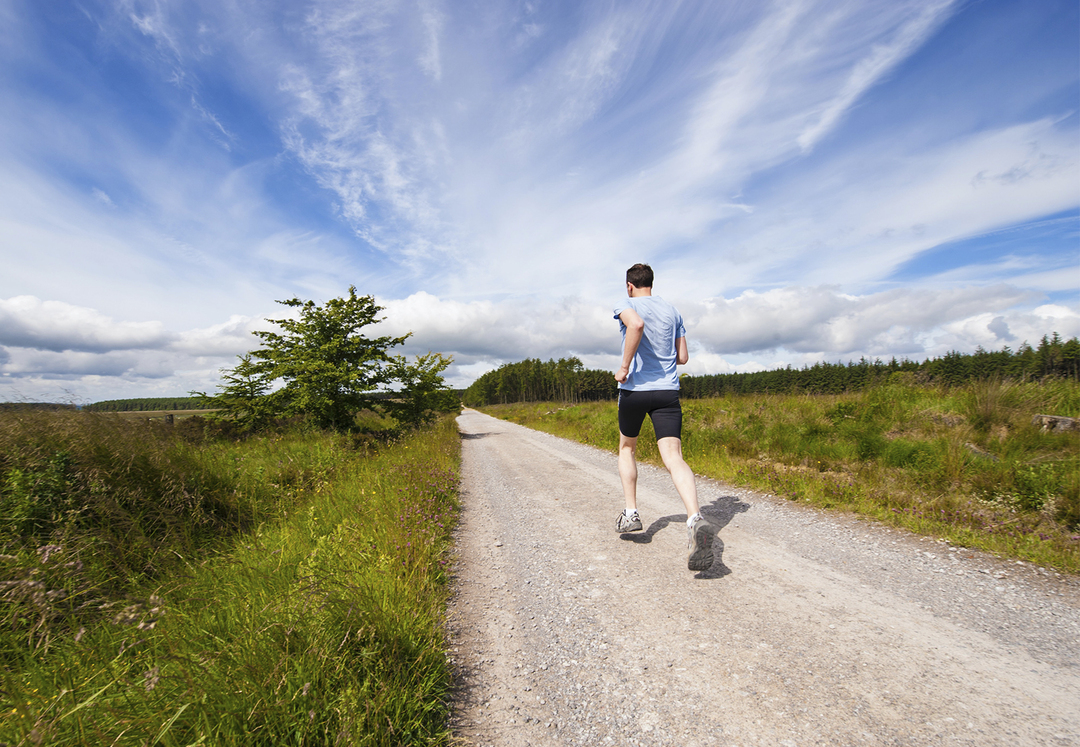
(989, 402)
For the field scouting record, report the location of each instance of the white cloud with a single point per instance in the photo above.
(28, 322)
(507, 330)
(154, 24)
(45, 342)
(778, 84)
(823, 320)
(878, 60)
(753, 331)
(70, 364)
(102, 196)
(231, 338)
(432, 21)
(797, 325)
(855, 219)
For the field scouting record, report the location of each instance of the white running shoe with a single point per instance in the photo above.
(631, 523)
(699, 537)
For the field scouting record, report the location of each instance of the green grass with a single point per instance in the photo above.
(964, 464)
(284, 590)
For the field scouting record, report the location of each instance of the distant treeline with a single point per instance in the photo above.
(567, 380)
(534, 380)
(1052, 358)
(148, 404)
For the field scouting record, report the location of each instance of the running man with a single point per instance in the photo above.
(654, 342)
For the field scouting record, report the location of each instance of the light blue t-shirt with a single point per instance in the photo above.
(653, 367)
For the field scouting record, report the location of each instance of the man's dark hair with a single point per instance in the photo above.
(640, 276)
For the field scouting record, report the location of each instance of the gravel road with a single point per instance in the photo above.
(810, 628)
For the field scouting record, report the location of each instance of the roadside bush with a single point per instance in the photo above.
(989, 402)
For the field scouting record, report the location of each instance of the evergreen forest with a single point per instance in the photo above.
(567, 379)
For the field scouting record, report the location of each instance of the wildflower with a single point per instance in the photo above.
(47, 550)
(128, 615)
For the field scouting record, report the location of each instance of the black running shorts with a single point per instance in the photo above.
(662, 406)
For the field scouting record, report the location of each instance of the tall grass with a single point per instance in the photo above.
(295, 596)
(963, 463)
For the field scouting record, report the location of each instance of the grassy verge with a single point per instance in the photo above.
(286, 590)
(964, 464)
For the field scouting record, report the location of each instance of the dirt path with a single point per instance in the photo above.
(809, 629)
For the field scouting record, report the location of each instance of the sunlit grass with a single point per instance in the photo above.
(311, 616)
(964, 464)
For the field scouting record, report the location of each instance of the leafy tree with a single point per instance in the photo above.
(322, 366)
(423, 392)
(243, 396)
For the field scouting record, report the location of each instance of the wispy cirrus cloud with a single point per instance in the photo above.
(877, 57)
(870, 212)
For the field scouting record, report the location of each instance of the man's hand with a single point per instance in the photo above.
(622, 374)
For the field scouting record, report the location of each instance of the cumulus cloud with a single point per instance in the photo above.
(509, 330)
(50, 341)
(753, 331)
(825, 320)
(70, 364)
(230, 338)
(794, 325)
(29, 322)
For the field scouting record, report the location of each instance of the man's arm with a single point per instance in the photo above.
(634, 329)
(682, 354)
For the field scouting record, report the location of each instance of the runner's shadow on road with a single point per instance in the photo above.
(471, 436)
(719, 512)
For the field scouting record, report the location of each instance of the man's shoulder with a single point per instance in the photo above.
(657, 304)
(646, 305)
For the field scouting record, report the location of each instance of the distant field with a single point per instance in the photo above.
(160, 414)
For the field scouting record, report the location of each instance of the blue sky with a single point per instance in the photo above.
(810, 180)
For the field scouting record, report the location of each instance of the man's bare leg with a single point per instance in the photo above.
(699, 540)
(628, 470)
(681, 474)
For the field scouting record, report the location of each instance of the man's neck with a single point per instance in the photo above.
(639, 292)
